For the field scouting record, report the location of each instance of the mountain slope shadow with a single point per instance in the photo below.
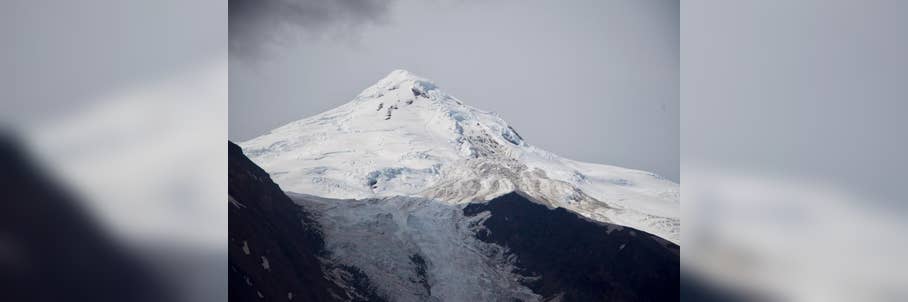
(276, 249)
(575, 259)
(53, 248)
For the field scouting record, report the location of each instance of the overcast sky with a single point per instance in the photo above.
(595, 81)
(809, 89)
(60, 56)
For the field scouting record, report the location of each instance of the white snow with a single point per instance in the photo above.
(235, 203)
(265, 264)
(403, 136)
(245, 247)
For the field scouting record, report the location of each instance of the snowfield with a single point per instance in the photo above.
(404, 136)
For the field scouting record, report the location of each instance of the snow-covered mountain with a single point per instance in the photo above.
(511, 248)
(404, 136)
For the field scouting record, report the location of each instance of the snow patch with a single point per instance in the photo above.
(235, 203)
(265, 264)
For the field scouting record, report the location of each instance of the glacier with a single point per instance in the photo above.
(404, 136)
(417, 249)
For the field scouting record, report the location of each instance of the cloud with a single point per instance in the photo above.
(141, 157)
(257, 25)
(785, 237)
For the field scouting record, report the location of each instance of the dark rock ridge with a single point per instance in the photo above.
(575, 259)
(276, 250)
(51, 249)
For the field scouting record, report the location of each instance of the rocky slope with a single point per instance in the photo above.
(276, 251)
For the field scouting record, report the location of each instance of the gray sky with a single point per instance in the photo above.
(594, 80)
(810, 89)
(59, 56)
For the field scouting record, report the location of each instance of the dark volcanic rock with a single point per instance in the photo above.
(576, 259)
(276, 248)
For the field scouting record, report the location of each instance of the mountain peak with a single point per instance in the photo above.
(402, 74)
(405, 81)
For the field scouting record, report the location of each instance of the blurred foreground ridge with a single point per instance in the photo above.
(51, 249)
